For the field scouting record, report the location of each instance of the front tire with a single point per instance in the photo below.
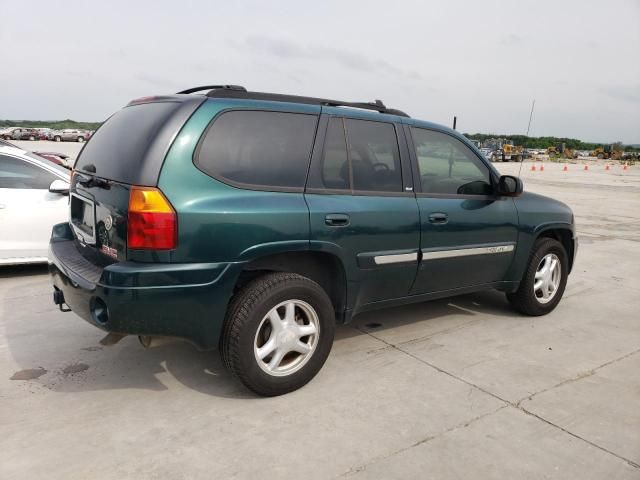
(544, 280)
(278, 333)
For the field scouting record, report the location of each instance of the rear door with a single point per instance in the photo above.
(359, 208)
(469, 234)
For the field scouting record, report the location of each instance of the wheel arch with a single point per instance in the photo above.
(326, 269)
(563, 234)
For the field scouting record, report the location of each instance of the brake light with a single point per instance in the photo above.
(152, 222)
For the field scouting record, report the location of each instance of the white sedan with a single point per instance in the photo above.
(33, 197)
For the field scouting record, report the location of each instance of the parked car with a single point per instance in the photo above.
(70, 135)
(20, 133)
(44, 133)
(33, 197)
(254, 222)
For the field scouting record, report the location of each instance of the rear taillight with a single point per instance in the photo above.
(152, 222)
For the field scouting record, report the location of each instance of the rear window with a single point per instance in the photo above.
(258, 148)
(117, 150)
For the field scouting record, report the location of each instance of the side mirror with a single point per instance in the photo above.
(60, 187)
(510, 186)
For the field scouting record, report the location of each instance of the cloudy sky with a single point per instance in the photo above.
(482, 61)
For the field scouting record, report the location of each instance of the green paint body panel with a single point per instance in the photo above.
(221, 228)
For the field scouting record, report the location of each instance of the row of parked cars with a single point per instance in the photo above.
(66, 135)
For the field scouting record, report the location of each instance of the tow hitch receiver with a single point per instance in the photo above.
(58, 299)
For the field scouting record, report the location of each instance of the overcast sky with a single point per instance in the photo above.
(482, 61)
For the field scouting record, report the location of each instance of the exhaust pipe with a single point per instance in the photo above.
(150, 341)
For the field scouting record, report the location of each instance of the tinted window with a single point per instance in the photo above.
(335, 165)
(268, 149)
(448, 166)
(375, 160)
(16, 173)
(118, 147)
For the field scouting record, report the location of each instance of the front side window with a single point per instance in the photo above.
(259, 148)
(16, 173)
(447, 166)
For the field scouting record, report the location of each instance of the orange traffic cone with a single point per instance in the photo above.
(586, 167)
(607, 167)
(566, 168)
(533, 168)
(542, 167)
(626, 167)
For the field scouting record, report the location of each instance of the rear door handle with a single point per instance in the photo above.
(337, 220)
(438, 218)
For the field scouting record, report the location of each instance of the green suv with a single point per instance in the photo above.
(253, 222)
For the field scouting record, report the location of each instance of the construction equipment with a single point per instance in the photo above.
(504, 150)
(608, 152)
(512, 152)
(561, 151)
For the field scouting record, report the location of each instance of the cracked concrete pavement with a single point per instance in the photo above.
(455, 388)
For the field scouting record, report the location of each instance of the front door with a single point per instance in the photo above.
(468, 234)
(359, 209)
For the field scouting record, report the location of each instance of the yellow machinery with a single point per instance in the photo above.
(513, 151)
(608, 152)
(561, 151)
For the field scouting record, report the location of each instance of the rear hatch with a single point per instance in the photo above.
(127, 150)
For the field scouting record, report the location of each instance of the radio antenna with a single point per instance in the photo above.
(528, 127)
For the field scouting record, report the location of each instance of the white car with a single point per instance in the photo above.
(33, 197)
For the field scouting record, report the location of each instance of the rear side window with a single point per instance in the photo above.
(16, 173)
(375, 159)
(258, 148)
(117, 150)
(366, 160)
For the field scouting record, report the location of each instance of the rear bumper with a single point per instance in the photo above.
(178, 300)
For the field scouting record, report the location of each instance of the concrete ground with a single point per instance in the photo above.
(456, 388)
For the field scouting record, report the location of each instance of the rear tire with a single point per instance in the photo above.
(80, 139)
(270, 314)
(533, 301)
(56, 138)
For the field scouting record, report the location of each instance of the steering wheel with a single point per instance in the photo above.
(380, 164)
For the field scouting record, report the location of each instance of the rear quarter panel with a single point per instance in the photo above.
(221, 223)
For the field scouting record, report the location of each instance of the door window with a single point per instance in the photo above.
(366, 160)
(374, 155)
(447, 166)
(335, 164)
(16, 173)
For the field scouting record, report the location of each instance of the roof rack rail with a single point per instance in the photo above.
(240, 92)
(213, 87)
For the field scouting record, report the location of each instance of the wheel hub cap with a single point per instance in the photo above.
(286, 338)
(547, 278)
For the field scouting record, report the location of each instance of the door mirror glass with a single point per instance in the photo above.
(510, 186)
(59, 186)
